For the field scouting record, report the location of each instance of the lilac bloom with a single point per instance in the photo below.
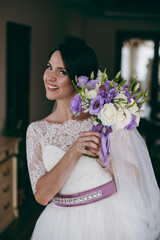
(76, 104)
(82, 80)
(132, 124)
(125, 87)
(92, 84)
(108, 94)
(107, 83)
(127, 92)
(96, 105)
(128, 95)
(102, 90)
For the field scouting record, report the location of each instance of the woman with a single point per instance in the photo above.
(82, 200)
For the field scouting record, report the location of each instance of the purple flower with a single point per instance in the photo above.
(82, 80)
(125, 87)
(108, 94)
(92, 84)
(112, 93)
(126, 92)
(76, 104)
(107, 83)
(96, 105)
(102, 90)
(128, 95)
(103, 87)
(132, 124)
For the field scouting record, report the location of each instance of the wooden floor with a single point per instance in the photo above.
(22, 227)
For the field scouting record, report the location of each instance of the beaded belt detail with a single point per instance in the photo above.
(86, 197)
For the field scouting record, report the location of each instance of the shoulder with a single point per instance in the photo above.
(36, 128)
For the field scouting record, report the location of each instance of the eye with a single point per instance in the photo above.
(63, 72)
(48, 66)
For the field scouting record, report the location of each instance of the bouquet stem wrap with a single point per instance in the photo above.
(105, 142)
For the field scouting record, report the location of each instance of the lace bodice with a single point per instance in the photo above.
(43, 134)
(47, 142)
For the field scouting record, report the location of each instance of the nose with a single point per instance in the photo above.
(50, 76)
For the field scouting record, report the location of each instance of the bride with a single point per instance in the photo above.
(83, 201)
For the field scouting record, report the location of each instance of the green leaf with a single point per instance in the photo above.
(115, 79)
(121, 84)
(75, 86)
(76, 78)
(140, 95)
(104, 77)
(139, 104)
(91, 156)
(118, 75)
(133, 82)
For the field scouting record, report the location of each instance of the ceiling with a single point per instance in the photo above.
(113, 8)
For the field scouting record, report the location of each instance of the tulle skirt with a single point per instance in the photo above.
(113, 218)
(132, 213)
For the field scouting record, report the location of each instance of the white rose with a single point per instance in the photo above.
(108, 114)
(91, 94)
(123, 118)
(123, 100)
(134, 108)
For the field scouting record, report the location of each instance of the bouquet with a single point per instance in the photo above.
(113, 104)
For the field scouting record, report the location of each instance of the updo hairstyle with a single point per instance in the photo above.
(79, 59)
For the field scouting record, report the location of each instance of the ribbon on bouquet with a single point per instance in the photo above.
(105, 142)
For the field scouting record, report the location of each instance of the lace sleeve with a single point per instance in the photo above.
(34, 156)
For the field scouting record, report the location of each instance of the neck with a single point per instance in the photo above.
(63, 111)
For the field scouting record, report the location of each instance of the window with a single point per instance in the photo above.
(139, 55)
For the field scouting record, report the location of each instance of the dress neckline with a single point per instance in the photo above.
(68, 121)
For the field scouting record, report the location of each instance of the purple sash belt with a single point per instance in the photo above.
(86, 197)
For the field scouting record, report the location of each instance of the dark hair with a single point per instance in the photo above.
(79, 59)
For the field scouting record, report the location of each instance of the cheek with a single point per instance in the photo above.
(72, 89)
(68, 86)
(44, 76)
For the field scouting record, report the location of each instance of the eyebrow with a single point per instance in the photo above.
(61, 68)
(58, 67)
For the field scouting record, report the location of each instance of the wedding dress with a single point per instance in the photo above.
(132, 213)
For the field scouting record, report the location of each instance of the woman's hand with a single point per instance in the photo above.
(87, 143)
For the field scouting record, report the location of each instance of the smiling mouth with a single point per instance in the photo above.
(52, 88)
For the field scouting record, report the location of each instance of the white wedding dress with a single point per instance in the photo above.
(132, 213)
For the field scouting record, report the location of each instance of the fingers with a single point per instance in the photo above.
(90, 133)
(80, 148)
(89, 142)
(90, 137)
(90, 153)
(85, 149)
(92, 141)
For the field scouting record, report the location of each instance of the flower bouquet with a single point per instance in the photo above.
(112, 103)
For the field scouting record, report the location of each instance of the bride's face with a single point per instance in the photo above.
(56, 79)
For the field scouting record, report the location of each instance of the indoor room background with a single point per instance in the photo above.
(125, 36)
